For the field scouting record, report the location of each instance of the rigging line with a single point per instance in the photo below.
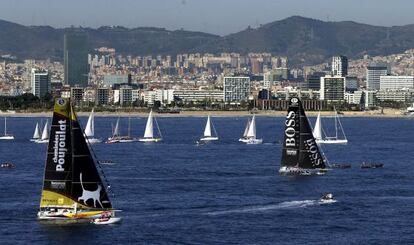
(96, 161)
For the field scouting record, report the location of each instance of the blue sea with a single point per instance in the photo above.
(176, 192)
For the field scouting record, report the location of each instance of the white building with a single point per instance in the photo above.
(373, 76)
(149, 97)
(40, 82)
(354, 98)
(125, 95)
(332, 88)
(236, 89)
(199, 95)
(396, 82)
(165, 96)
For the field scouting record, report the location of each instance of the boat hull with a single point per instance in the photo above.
(94, 140)
(42, 141)
(7, 137)
(112, 220)
(251, 141)
(301, 171)
(149, 140)
(333, 141)
(209, 138)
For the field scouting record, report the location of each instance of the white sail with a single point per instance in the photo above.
(317, 131)
(251, 133)
(36, 134)
(116, 130)
(90, 126)
(247, 128)
(207, 130)
(45, 133)
(149, 128)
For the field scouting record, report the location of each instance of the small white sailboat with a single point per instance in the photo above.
(319, 136)
(45, 134)
(149, 130)
(249, 136)
(6, 136)
(116, 136)
(208, 136)
(36, 134)
(90, 130)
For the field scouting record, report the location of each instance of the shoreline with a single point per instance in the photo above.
(387, 113)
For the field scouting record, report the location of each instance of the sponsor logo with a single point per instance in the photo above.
(59, 148)
(58, 185)
(61, 101)
(294, 101)
(313, 152)
(290, 132)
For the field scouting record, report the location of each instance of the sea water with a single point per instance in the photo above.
(178, 192)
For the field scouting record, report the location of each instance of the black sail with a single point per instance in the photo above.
(299, 145)
(71, 177)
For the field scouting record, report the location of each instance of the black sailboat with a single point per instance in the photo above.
(300, 155)
(72, 185)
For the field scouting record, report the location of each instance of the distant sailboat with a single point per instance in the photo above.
(318, 132)
(116, 136)
(249, 135)
(208, 136)
(6, 136)
(300, 154)
(90, 130)
(149, 130)
(36, 134)
(45, 134)
(73, 188)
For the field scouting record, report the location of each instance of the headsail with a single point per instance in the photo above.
(36, 134)
(71, 177)
(149, 127)
(90, 126)
(207, 129)
(299, 145)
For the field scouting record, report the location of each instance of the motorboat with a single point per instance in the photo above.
(371, 165)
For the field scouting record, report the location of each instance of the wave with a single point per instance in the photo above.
(282, 205)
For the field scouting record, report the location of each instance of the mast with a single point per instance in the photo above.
(129, 126)
(246, 129)
(336, 124)
(5, 125)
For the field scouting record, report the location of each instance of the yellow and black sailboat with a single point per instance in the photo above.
(72, 187)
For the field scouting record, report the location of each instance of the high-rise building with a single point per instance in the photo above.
(396, 82)
(236, 89)
(374, 72)
(340, 66)
(76, 94)
(102, 96)
(332, 88)
(40, 82)
(125, 95)
(75, 53)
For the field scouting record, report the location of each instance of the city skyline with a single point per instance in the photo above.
(196, 15)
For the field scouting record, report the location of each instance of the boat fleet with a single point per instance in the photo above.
(76, 190)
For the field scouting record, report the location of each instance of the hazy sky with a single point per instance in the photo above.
(213, 16)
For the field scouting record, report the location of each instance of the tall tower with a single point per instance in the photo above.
(40, 82)
(340, 66)
(75, 55)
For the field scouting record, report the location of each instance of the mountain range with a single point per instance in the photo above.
(303, 40)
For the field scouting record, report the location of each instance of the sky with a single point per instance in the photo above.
(213, 16)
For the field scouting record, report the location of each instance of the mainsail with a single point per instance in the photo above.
(149, 127)
(317, 131)
(207, 129)
(36, 134)
(299, 146)
(90, 126)
(71, 177)
(116, 130)
(251, 133)
(45, 133)
(247, 128)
